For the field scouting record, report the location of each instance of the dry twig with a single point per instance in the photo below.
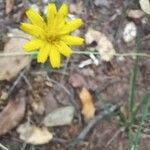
(92, 123)
(3, 147)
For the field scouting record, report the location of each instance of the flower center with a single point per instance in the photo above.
(51, 36)
(51, 39)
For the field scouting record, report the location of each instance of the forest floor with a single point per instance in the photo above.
(29, 91)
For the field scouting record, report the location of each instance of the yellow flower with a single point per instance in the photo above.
(51, 37)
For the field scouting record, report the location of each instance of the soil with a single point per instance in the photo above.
(108, 82)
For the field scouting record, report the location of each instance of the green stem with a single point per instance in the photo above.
(131, 100)
(132, 89)
(75, 52)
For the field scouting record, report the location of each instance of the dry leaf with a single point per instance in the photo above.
(11, 66)
(77, 80)
(50, 103)
(145, 5)
(9, 6)
(104, 46)
(88, 108)
(12, 114)
(60, 116)
(135, 13)
(34, 135)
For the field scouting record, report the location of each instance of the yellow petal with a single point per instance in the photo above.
(63, 10)
(61, 16)
(72, 40)
(64, 49)
(35, 18)
(43, 53)
(51, 13)
(33, 45)
(71, 26)
(54, 57)
(32, 29)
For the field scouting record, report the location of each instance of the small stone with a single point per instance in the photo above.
(60, 117)
(130, 32)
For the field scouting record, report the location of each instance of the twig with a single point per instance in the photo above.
(59, 140)
(27, 134)
(27, 82)
(49, 71)
(3, 147)
(64, 70)
(15, 83)
(115, 135)
(17, 54)
(66, 90)
(21, 75)
(71, 97)
(75, 52)
(92, 123)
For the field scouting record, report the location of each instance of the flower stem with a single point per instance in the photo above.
(75, 52)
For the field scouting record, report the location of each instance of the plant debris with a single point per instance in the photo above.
(12, 114)
(88, 108)
(32, 134)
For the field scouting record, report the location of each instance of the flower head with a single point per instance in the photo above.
(51, 37)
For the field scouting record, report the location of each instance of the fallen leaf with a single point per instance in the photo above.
(92, 36)
(50, 103)
(32, 134)
(88, 108)
(104, 46)
(60, 116)
(12, 65)
(12, 114)
(130, 32)
(135, 13)
(77, 80)
(9, 6)
(145, 5)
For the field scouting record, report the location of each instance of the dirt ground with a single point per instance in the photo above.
(38, 89)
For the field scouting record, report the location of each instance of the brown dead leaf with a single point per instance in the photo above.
(11, 66)
(104, 45)
(88, 108)
(34, 135)
(77, 80)
(12, 114)
(50, 103)
(9, 6)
